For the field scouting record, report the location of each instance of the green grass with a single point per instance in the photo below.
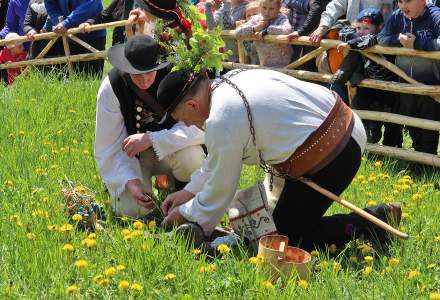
(47, 134)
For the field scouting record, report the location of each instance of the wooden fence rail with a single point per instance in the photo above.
(412, 87)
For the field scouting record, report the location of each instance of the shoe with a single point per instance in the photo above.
(192, 233)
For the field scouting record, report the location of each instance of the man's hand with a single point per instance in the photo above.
(136, 143)
(292, 36)
(60, 28)
(260, 26)
(344, 48)
(31, 34)
(174, 218)
(138, 191)
(317, 35)
(407, 40)
(83, 27)
(175, 199)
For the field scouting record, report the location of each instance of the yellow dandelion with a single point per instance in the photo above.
(66, 227)
(71, 290)
(368, 259)
(125, 231)
(152, 225)
(431, 266)
(393, 261)
(256, 259)
(52, 227)
(77, 217)
(360, 177)
(322, 265)
(336, 266)
(45, 198)
(267, 285)
(332, 248)
(437, 238)
(123, 284)
(98, 278)
(353, 259)
(405, 215)
(104, 282)
(365, 248)
(110, 271)
(371, 203)
(138, 225)
(92, 236)
(40, 213)
(417, 196)
(303, 283)
(378, 163)
(169, 276)
(120, 267)
(88, 243)
(314, 253)
(67, 248)
(197, 251)
(40, 172)
(81, 264)
(136, 287)
(367, 270)
(86, 152)
(434, 296)
(21, 133)
(30, 236)
(9, 183)
(223, 249)
(413, 274)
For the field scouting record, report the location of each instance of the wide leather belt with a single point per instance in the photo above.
(323, 145)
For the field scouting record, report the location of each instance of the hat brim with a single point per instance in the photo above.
(162, 15)
(117, 58)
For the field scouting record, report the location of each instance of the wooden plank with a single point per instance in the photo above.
(303, 59)
(41, 54)
(409, 155)
(82, 43)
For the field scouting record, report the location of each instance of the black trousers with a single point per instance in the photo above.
(300, 210)
(421, 107)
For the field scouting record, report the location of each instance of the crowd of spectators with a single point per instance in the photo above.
(360, 24)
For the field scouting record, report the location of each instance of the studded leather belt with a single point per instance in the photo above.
(323, 145)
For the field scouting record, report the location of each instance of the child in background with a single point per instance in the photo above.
(269, 21)
(225, 14)
(415, 25)
(252, 9)
(12, 53)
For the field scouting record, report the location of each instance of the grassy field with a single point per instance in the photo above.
(47, 135)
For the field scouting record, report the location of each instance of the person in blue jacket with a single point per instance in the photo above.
(416, 25)
(14, 17)
(75, 12)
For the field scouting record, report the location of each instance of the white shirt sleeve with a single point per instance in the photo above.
(333, 11)
(180, 136)
(115, 167)
(222, 167)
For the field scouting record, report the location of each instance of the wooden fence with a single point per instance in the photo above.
(411, 87)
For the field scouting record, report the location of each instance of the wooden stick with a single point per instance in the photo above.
(418, 157)
(427, 90)
(355, 209)
(82, 43)
(242, 57)
(41, 54)
(56, 60)
(398, 119)
(66, 48)
(303, 59)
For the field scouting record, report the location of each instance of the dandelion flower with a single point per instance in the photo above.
(104, 282)
(123, 284)
(136, 287)
(88, 243)
(371, 203)
(303, 283)
(267, 284)
(9, 183)
(169, 276)
(437, 238)
(67, 248)
(81, 264)
(314, 253)
(365, 248)
(367, 270)
(120, 267)
(434, 296)
(66, 227)
(197, 251)
(256, 260)
(52, 227)
(98, 278)
(30, 236)
(322, 265)
(152, 225)
(431, 266)
(378, 163)
(208, 268)
(413, 274)
(393, 261)
(77, 217)
(223, 249)
(71, 290)
(92, 236)
(125, 231)
(110, 271)
(332, 248)
(138, 225)
(368, 259)
(336, 266)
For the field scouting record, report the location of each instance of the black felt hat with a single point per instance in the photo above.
(140, 54)
(174, 86)
(166, 10)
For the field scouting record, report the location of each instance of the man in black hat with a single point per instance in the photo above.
(134, 139)
(265, 117)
